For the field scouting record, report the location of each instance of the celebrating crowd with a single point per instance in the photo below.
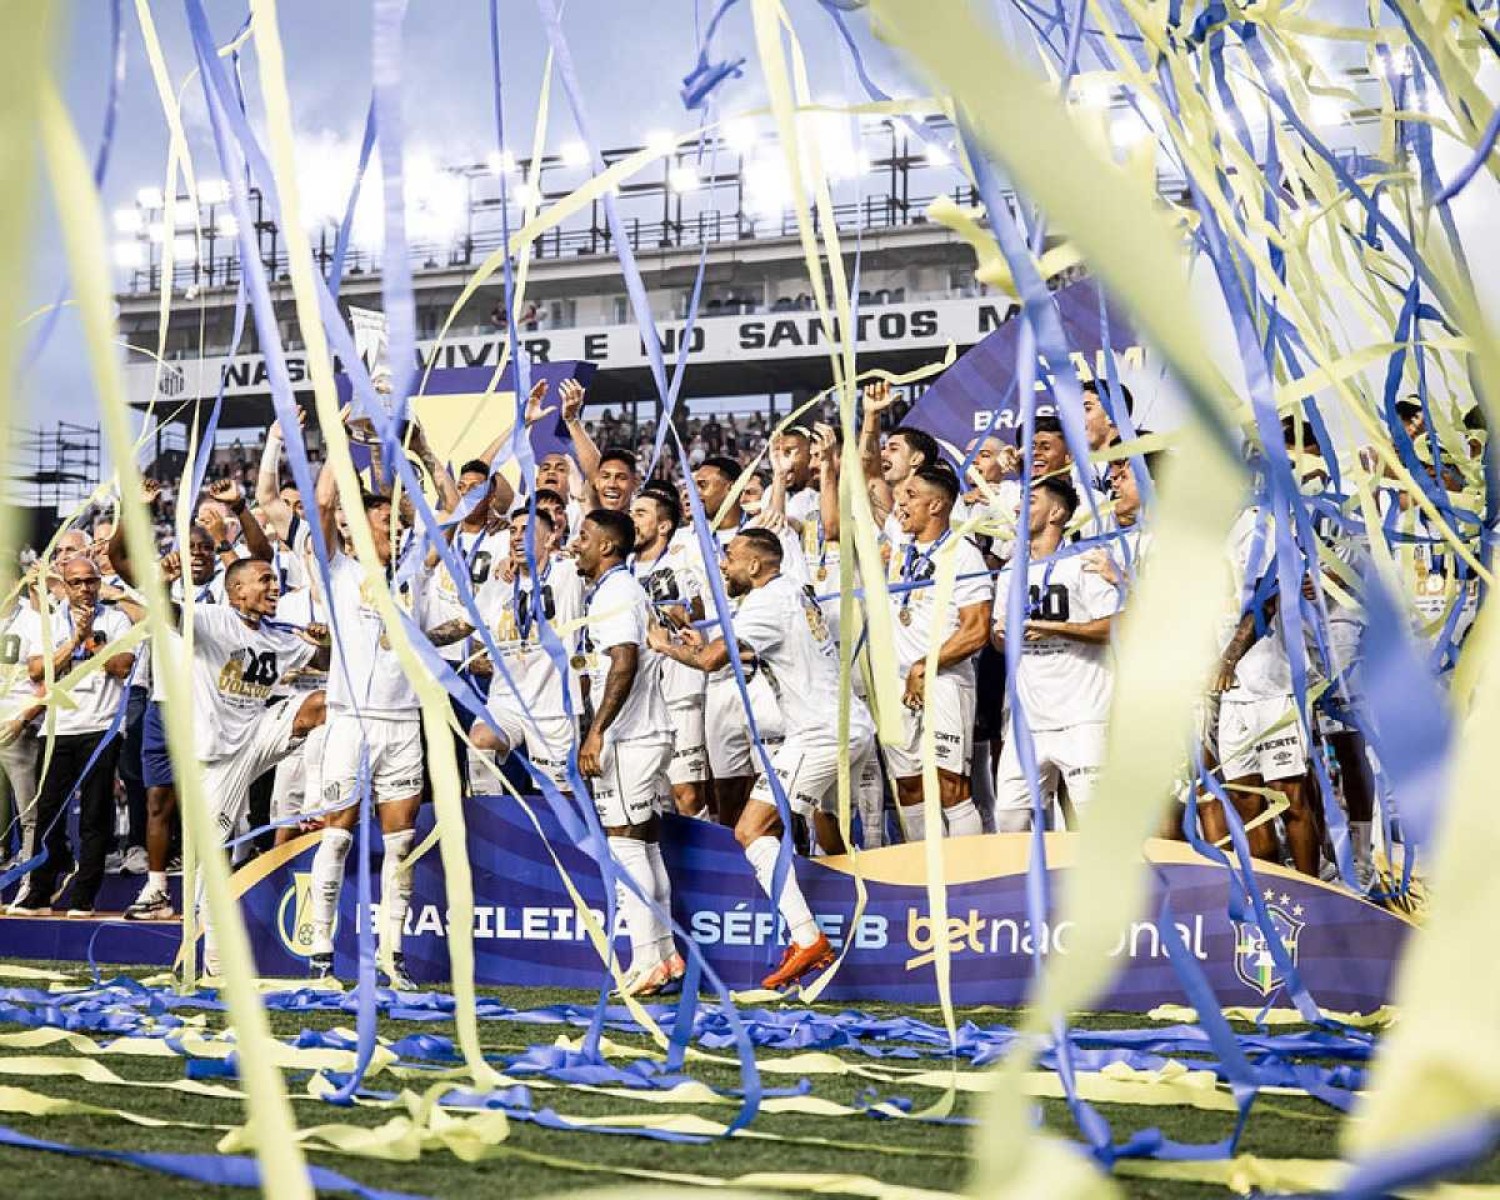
(666, 650)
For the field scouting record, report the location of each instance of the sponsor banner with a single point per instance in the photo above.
(526, 930)
(759, 337)
(978, 393)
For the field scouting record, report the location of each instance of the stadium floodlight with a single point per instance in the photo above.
(184, 214)
(1091, 91)
(157, 232)
(1325, 110)
(660, 141)
(526, 194)
(150, 197)
(213, 191)
(574, 154)
(227, 226)
(936, 154)
(129, 220)
(1128, 131)
(185, 249)
(130, 255)
(497, 162)
(741, 134)
(683, 178)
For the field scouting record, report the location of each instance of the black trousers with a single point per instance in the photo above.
(96, 816)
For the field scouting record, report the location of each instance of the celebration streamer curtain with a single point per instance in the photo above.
(1285, 278)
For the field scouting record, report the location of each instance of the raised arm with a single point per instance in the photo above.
(278, 512)
(878, 398)
(229, 493)
(326, 495)
(442, 478)
(119, 553)
(827, 445)
(571, 394)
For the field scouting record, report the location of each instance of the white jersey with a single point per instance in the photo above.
(784, 628)
(300, 608)
(482, 555)
(917, 620)
(1061, 682)
(510, 613)
(674, 580)
(802, 505)
(365, 676)
(96, 699)
(998, 518)
(618, 613)
(17, 692)
(1265, 671)
(236, 669)
(211, 592)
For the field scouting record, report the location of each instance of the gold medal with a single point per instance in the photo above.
(904, 616)
(822, 574)
(579, 661)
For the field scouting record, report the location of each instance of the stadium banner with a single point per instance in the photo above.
(527, 932)
(977, 394)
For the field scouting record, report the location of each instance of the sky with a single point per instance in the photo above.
(630, 57)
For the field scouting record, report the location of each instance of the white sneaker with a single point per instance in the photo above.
(135, 862)
(151, 905)
(114, 861)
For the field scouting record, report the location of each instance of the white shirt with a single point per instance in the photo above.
(301, 608)
(675, 576)
(802, 505)
(1061, 682)
(785, 629)
(917, 562)
(1265, 672)
(95, 699)
(236, 669)
(509, 611)
(17, 692)
(618, 612)
(483, 554)
(365, 676)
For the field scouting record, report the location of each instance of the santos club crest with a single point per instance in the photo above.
(1252, 956)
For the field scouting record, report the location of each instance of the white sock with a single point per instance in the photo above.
(1360, 837)
(640, 925)
(327, 883)
(661, 892)
(1013, 820)
(395, 889)
(870, 800)
(914, 821)
(792, 904)
(156, 881)
(963, 819)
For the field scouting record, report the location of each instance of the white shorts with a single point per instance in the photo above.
(631, 779)
(1245, 748)
(547, 746)
(731, 754)
(395, 759)
(689, 752)
(1347, 666)
(950, 708)
(299, 776)
(226, 781)
(809, 774)
(1070, 756)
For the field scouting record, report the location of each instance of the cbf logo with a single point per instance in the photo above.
(1252, 954)
(294, 916)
